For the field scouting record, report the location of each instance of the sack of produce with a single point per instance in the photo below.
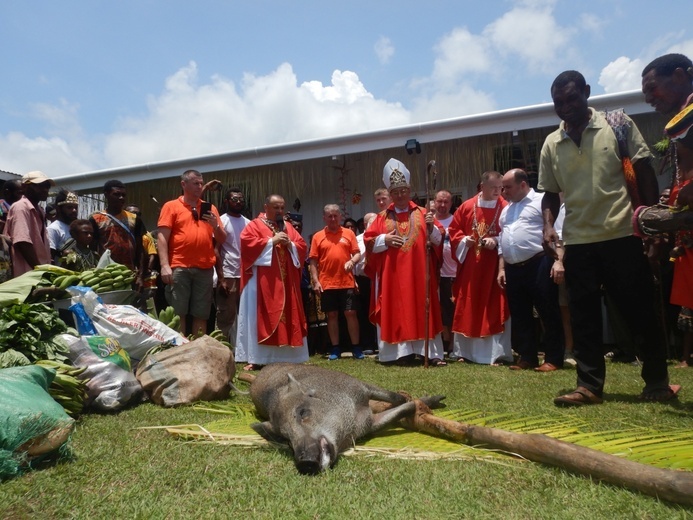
(110, 383)
(135, 331)
(197, 371)
(33, 424)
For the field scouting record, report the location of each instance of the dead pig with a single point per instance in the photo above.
(321, 412)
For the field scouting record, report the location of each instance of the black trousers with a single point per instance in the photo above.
(529, 285)
(621, 269)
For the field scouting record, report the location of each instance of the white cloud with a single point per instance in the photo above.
(592, 23)
(188, 119)
(531, 32)
(443, 105)
(458, 53)
(621, 74)
(685, 47)
(625, 73)
(384, 49)
(53, 156)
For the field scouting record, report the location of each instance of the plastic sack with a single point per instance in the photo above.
(197, 371)
(33, 424)
(110, 386)
(105, 259)
(135, 331)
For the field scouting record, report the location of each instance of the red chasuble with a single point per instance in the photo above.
(280, 317)
(480, 304)
(398, 306)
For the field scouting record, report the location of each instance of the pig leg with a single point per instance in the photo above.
(392, 415)
(376, 393)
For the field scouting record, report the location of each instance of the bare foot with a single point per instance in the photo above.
(683, 364)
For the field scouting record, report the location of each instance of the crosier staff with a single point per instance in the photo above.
(430, 169)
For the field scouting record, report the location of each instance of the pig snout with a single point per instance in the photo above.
(314, 456)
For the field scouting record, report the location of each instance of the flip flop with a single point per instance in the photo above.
(578, 397)
(437, 362)
(660, 395)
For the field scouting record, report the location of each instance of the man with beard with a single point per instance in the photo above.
(271, 322)
(26, 225)
(229, 262)
(397, 243)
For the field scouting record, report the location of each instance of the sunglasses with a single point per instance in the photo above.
(236, 199)
(195, 215)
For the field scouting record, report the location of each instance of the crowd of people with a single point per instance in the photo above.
(513, 276)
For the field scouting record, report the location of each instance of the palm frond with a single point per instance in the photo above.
(667, 449)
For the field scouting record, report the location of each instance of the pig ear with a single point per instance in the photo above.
(267, 432)
(295, 386)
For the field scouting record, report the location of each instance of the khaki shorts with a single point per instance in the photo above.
(191, 291)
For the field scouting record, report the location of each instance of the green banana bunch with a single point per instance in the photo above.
(67, 388)
(168, 317)
(114, 277)
(218, 335)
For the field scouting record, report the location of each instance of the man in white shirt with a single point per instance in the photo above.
(442, 203)
(524, 271)
(66, 203)
(369, 336)
(229, 262)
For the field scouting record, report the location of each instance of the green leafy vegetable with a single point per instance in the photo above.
(27, 334)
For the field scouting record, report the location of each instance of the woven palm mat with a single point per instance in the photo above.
(671, 449)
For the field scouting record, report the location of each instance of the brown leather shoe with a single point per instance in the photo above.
(578, 397)
(546, 367)
(522, 365)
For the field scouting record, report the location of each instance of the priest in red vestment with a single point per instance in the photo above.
(271, 322)
(396, 248)
(481, 324)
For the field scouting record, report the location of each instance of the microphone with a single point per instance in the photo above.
(279, 220)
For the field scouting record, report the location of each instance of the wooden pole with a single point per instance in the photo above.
(675, 486)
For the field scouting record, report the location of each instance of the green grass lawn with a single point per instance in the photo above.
(120, 471)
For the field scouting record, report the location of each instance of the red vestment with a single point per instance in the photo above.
(480, 305)
(682, 285)
(280, 317)
(398, 305)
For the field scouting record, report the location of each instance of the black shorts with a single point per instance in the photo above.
(333, 300)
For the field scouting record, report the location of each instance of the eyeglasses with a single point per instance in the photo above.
(195, 215)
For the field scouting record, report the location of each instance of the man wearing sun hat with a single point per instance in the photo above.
(26, 224)
(59, 237)
(396, 244)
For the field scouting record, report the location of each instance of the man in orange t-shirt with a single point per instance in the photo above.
(333, 254)
(186, 252)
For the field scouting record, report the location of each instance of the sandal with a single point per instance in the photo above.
(437, 362)
(578, 397)
(660, 394)
(251, 367)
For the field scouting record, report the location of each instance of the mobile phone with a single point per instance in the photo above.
(206, 208)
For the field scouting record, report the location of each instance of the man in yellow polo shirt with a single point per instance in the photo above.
(582, 159)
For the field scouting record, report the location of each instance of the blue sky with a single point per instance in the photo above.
(99, 84)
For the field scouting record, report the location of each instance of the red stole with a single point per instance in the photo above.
(398, 306)
(280, 317)
(481, 308)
